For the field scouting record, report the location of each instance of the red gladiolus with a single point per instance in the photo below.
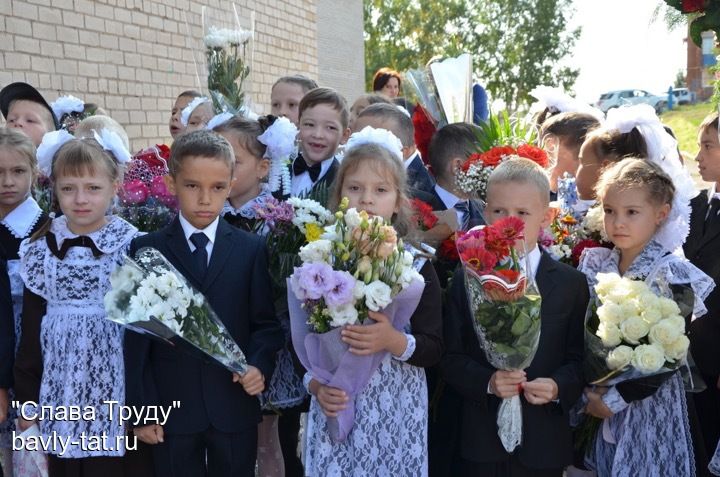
(533, 153)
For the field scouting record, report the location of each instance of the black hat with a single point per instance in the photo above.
(24, 91)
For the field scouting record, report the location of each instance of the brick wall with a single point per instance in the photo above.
(133, 57)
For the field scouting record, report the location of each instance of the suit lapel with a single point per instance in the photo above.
(179, 248)
(220, 252)
(545, 276)
(329, 176)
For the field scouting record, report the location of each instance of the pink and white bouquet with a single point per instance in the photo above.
(357, 265)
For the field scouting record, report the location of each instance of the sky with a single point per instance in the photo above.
(622, 48)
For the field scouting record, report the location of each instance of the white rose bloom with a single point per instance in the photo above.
(606, 282)
(633, 329)
(648, 299)
(377, 295)
(668, 307)
(619, 357)
(677, 350)
(343, 315)
(648, 358)
(317, 251)
(352, 218)
(651, 315)
(609, 334)
(630, 308)
(610, 313)
(678, 322)
(664, 333)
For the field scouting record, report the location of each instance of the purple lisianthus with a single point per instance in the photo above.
(312, 281)
(342, 290)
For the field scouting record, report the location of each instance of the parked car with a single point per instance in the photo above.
(683, 96)
(614, 99)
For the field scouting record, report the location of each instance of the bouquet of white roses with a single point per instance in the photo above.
(151, 297)
(357, 265)
(633, 332)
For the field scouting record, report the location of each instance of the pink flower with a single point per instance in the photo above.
(134, 192)
(158, 189)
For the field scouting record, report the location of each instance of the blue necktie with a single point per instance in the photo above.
(200, 254)
(463, 207)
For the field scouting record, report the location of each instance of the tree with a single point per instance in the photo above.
(679, 79)
(516, 44)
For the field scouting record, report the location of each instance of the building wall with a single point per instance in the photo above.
(341, 46)
(132, 57)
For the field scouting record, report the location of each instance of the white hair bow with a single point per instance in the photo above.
(280, 141)
(558, 100)
(111, 141)
(218, 119)
(67, 104)
(381, 137)
(188, 110)
(51, 143)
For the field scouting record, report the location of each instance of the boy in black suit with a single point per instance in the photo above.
(214, 431)
(554, 381)
(398, 122)
(324, 118)
(702, 248)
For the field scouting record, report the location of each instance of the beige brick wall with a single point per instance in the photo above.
(133, 57)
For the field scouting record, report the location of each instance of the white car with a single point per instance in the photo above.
(683, 96)
(615, 99)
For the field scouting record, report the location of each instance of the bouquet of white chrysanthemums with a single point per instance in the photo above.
(151, 297)
(639, 332)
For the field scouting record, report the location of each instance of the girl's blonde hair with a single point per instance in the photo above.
(381, 160)
(14, 140)
(635, 173)
(79, 156)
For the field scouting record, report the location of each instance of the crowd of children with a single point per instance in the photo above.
(431, 406)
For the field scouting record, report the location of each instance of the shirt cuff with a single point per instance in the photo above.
(409, 349)
(614, 401)
(306, 381)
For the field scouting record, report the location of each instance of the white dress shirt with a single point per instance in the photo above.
(450, 199)
(209, 231)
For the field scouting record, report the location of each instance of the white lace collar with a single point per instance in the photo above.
(247, 210)
(108, 239)
(23, 218)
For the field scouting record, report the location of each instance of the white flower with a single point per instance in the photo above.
(668, 307)
(610, 313)
(381, 137)
(317, 251)
(215, 38)
(343, 315)
(633, 329)
(609, 334)
(377, 295)
(651, 315)
(648, 358)
(594, 222)
(605, 283)
(665, 332)
(677, 350)
(359, 290)
(279, 139)
(408, 276)
(619, 357)
(559, 251)
(330, 233)
(677, 321)
(352, 218)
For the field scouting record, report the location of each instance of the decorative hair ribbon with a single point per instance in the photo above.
(67, 104)
(381, 137)
(53, 141)
(188, 110)
(559, 101)
(219, 119)
(280, 141)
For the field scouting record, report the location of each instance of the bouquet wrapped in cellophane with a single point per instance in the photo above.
(505, 306)
(149, 296)
(357, 265)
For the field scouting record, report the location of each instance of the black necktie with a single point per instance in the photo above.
(712, 214)
(300, 166)
(200, 241)
(79, 241)
(464, 207)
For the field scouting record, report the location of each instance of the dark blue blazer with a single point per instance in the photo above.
(547, 440)
(418, 177)
(238, 288)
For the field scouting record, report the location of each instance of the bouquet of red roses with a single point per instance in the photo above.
(505, 306)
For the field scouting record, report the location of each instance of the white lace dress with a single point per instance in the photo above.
(389, 436)
(82, 350)
(649, 437)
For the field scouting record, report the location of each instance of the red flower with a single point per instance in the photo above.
(479, 259)
(494, 156)
(509, 228)
(476, 157)
(424, 130)
(533, 153)
(510, 276)
(448, 249)
(690, 6)
(471, 239)
(582, 245)
(424, 216)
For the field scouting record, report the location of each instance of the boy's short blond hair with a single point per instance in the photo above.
(522, 171)
(86, 127)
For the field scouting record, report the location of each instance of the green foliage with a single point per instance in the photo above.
(516, 44)
(503, 130)
(679, 79)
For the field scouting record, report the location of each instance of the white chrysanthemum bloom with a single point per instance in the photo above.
(677, 350)
(317, 251)
(619, 357)
(668, 307)
(236, 37)
(609, 334)
(343, 315)
(215, 38)
(648, 358)
(610, 313)
(377, 295)
(594, 222)
(665, 332)
(330, 233)
(633, 329)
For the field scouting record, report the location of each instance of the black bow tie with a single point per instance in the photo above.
(300, 166)
(80, 241)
